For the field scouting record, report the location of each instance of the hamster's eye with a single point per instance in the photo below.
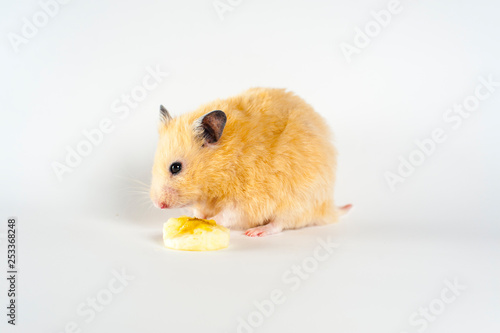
(175, 168)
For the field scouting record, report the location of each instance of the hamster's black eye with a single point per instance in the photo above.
(175, 168)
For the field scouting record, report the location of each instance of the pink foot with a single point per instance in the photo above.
(263, 230)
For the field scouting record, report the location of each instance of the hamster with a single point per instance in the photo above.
(261, 161)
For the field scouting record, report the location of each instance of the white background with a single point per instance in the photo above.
(395, 250)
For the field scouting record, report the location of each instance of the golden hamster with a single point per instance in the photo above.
(261, 161)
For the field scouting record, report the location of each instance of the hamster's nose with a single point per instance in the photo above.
(160, 205)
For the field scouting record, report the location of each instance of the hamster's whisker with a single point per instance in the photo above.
(140, 182)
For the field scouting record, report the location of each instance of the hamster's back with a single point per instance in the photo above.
(280, 121)
(261, 116)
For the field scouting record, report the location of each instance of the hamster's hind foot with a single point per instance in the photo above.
(264, 230)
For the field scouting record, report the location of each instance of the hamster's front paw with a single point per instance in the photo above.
(264, 230)
(199, 214)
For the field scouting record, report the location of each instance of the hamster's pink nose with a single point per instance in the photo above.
(160, 204)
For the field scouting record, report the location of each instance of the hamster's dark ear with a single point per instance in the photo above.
(210, 126)
(165, 117)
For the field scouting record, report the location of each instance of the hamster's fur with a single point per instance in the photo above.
(264, 163)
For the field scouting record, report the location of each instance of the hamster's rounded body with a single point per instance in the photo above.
(272, 168)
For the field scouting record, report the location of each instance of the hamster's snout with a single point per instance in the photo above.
(164, 198)
(161, 205)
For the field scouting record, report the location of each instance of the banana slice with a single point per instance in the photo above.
(193, 234)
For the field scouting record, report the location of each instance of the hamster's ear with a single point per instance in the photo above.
(165, 117)
(210, 126)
